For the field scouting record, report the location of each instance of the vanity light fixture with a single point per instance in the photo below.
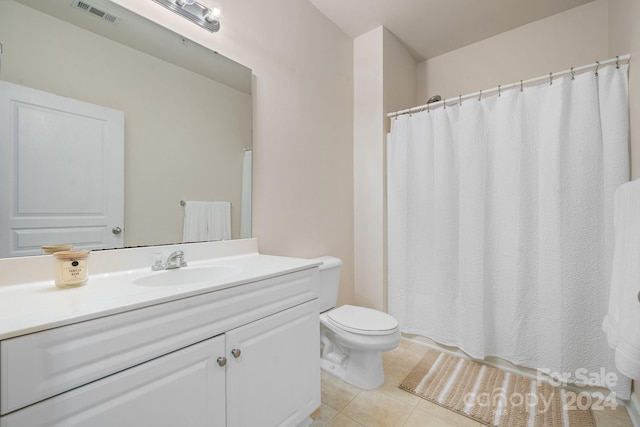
(207, 18)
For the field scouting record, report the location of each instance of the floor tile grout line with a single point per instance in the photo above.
(409, 417)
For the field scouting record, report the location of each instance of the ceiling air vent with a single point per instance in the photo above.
(95, 11)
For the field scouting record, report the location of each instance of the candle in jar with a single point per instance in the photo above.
(71, 268)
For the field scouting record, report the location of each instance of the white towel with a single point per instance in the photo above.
(206, 221)
(622, 323)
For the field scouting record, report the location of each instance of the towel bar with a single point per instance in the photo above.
(182, 203)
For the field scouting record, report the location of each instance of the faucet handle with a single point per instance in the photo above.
(158, 263)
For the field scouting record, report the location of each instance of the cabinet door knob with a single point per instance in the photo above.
(222, 361)
(236, 352)
(116, 230)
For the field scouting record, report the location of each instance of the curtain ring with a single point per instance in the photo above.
(498, 91)
(480, 96)
(460, 100)
(573, 74)
(597, 66)
(444, 104)
(521, 86)
(550, 79)
(428, 109)
(617, 62)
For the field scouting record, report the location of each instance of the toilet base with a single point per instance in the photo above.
(362, 369)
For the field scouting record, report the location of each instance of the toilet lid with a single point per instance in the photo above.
(361, 320)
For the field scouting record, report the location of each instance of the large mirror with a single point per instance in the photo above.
(187, 110)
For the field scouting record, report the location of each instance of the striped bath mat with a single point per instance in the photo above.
(492, 396)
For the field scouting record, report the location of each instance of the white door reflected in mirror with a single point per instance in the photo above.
(62, 172)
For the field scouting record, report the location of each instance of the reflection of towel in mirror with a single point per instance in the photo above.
(622, 323)
(206, 221)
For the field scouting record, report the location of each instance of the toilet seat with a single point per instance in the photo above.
(363, 321)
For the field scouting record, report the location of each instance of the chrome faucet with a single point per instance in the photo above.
(175, 260)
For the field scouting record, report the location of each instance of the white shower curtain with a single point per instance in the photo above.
(245, 208)
(500, 222)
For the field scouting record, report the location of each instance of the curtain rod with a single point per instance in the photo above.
(521, 83)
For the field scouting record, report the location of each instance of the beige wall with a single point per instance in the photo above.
(400, 77)
(400, 85)
(199, 159)
(573, 38)
(303, 122)
(368, 138)
(384, 78)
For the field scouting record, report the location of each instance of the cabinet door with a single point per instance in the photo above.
(183, 388)
(275, 380)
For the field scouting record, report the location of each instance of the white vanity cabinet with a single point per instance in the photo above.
(241, 356)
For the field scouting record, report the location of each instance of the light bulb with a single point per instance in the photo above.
(212, 15)
(183, 3)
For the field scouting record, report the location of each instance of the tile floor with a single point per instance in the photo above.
(344, 405)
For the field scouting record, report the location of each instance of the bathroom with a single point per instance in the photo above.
(320, 99)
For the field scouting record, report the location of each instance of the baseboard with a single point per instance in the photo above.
(634, 409)
(306, 422)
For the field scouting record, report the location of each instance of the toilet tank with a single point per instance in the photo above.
(329, 281)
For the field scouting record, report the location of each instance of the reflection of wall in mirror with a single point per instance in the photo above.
(184, 134)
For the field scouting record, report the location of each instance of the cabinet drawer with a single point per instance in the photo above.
(186, 387)
(37, 366)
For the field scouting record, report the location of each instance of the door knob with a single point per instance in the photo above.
(236, 352)
(222, 361)
(116, 230)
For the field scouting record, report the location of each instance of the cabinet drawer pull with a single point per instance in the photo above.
(236, 352)
(222, 361)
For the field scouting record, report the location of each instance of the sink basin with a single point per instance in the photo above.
(186, 276)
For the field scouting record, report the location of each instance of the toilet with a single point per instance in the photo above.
(352, 338)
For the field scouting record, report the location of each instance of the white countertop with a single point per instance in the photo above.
(36, 306)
